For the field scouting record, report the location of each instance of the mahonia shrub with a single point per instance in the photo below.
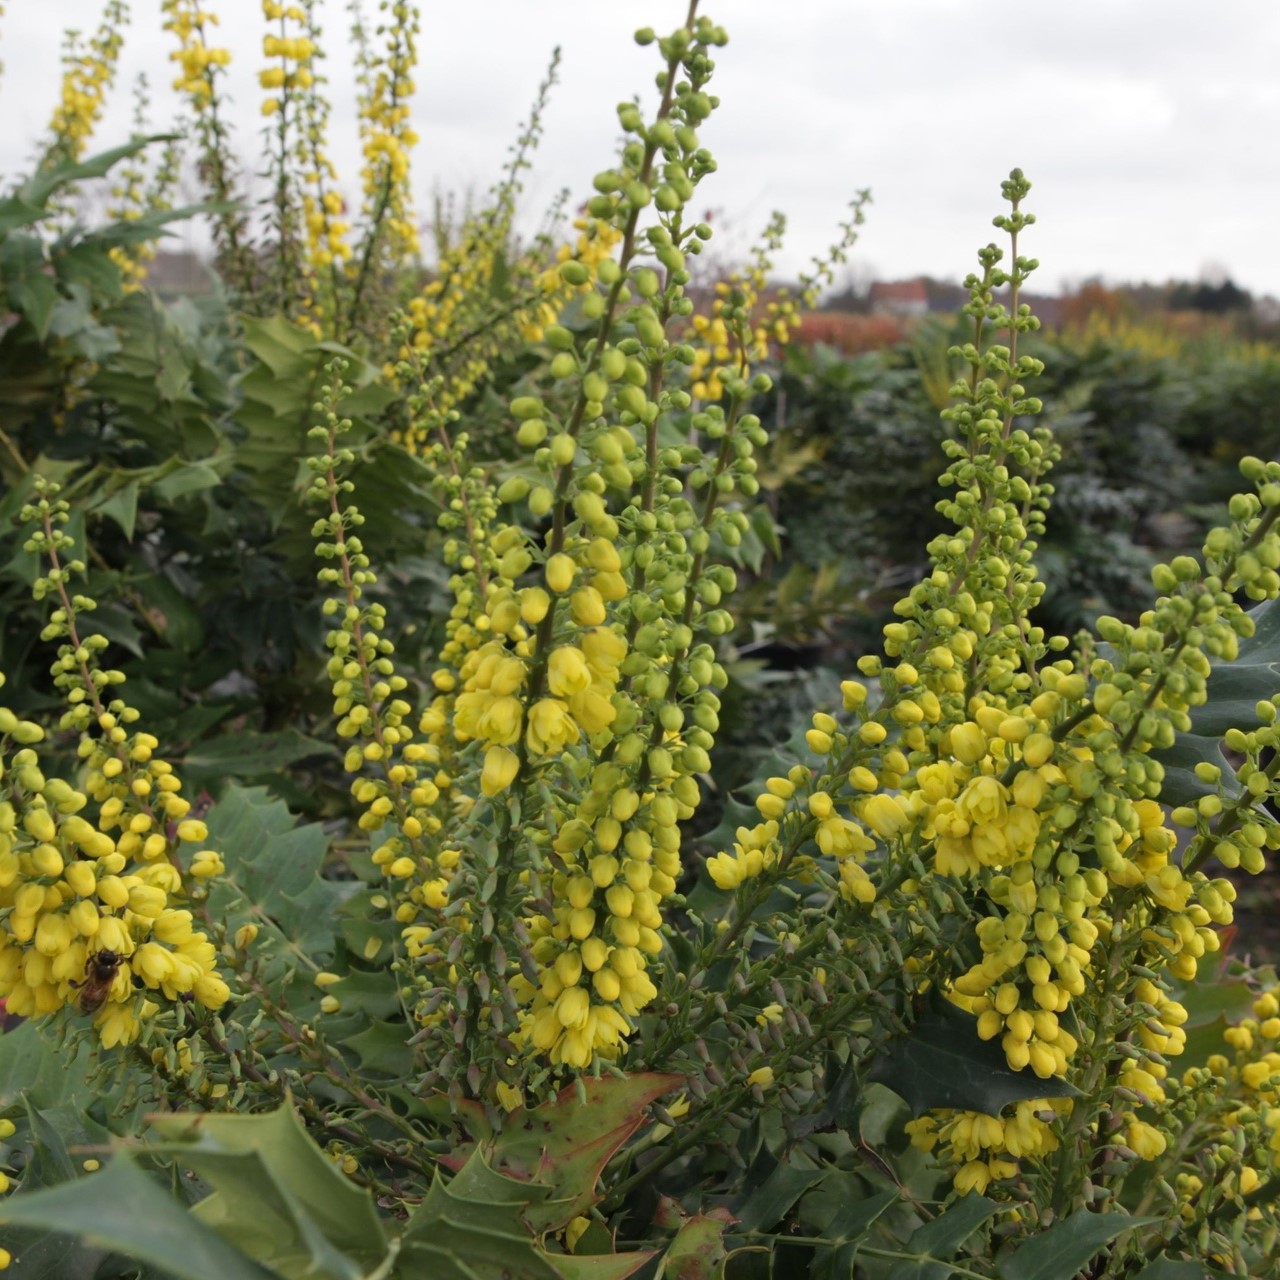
(942, 999)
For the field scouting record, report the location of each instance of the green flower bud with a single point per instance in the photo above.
(513, 489)
(563, 449)
(532, 432)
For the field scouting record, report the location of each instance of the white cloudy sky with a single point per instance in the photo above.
(1149, 127)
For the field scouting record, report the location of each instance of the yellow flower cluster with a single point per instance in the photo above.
(581, 678)
(718, 343)
(87, 920)
(985, 1148)
(197, 60)
(322, 216)
(620, 856)
(1026, 784)
(86, 915)
(385, 133)
(295, 54)
(458, 329)
(1224, 1123)
(87, 77)
(595, 244)
(740, 326)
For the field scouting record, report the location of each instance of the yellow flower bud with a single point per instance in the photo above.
(884, 815)
(499, 771)
(968, 743)
(560, 572)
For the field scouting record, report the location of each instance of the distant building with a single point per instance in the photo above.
(179, 274)
(901, 298)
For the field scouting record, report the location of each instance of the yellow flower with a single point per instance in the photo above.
(884, 815)
(567, 671)
(984, 801)
(559, 572)
(551, 727)
(499, 772)
(1146, 1140)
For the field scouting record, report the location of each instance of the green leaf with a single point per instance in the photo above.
(564, 1144)
(950, 1229)
(276, 1195)
(129, 1214)
(172, 615)
(31, 1067)
(601, 1266)
(1180, 785)
(247, 755)
(26, 280)
(273, 877)
(1063, 1250)
(190, 477)
(478, 1225)
(852, 1215)
(383, 1048)
(121, 506)
(1211, 1008)
(945, 1063)
(50, 1164)
(16, 212)
(937, 1241)
(772, 1200)
(91, 265)
(1169, 1269)
(1236, 687)
(1234, 690)
(371, 991)
(697, 1252)
(38, 188)
(282, 346)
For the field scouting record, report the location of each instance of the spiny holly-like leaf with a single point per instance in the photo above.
(477, 1226)
(1180, 784)
(273, 875)
(945, 1063)
(564, 1144)
(1063, 1250)
(697, 1252)
(31, 1067)
(263, 1166)
(845, 1214)
(1170, 1269)
(1234, 691)
(247, 755)
(37, 189)
(383, 1047)
(772, 1200)
(1236, 687)
(937, 1241)
(127, 1213)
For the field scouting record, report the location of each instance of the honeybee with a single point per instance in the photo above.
(99, 973)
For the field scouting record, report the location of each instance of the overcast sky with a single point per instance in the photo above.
(1150, 128)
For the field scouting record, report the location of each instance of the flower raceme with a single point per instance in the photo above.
(1024, 782)
(94, 871)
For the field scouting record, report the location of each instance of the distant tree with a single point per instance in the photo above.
(1217, 299)
(1094, 298)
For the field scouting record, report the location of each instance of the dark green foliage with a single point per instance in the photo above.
(944, 1063)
